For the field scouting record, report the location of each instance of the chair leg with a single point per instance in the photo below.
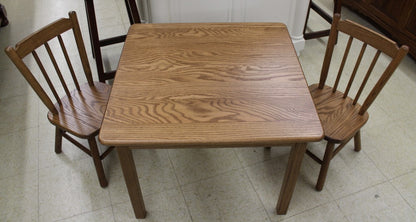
(97, 161)
(357, 141)
(58, 140)
(325, 165)
(307, 18)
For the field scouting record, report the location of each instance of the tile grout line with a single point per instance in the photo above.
(251, 183)
(38, 143)
(258, 196)
(209, 177)
(361, 190)
(373, 162)
(301, 212)
(109, 195)
(395, 188)
(340, 209)
(333, 199)
(180, 187)
(84, 213)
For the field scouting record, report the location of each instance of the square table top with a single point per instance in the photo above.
(209, 85)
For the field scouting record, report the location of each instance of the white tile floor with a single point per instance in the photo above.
(241, 184)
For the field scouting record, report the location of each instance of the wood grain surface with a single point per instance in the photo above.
(339, 116)
(82, 113)
(209, 85)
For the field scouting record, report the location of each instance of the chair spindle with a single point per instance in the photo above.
(58, 71)
(354, 72)
(45, 75)
(367, 76)
(68, 61)
(341, 67)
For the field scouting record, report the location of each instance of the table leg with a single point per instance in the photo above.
(132, 181)
(291, 176)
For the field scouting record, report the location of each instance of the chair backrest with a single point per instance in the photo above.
(43, 37)
(368, 38)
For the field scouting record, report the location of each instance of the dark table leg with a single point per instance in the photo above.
(132, 181)
(291, 176)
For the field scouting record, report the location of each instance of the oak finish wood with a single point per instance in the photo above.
(78, 112)
(130, 174)
(291, 175)
(341, 115)
(219, 76)
(209, 85)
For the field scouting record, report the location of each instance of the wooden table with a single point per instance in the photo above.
(209, 85)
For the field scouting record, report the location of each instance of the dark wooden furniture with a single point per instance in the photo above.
(342, 116)
(78, 112)
(3, 16)
(209, 85)
(397, 18)
(97, 43)
(324, 15)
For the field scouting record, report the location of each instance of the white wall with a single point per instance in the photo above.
(290, 12)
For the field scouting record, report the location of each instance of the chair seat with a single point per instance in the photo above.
(339, 117)
(82, 113)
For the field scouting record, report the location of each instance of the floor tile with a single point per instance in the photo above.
(406, 185)
(378, 203)
(111, 31)
(348, 172)
(267, 178)
(108, 14)
(378, 118)
(192, 165)
(122, 11)
(395, 99)
(47, 155)
(18, 152)
(70, 189)
(227, 197)
(102, 215)
(19, 113)
(154, 170)
(111, 56)
(165, 206)
(252, 155)
(55, 11)
(408, 126)
(19, 197)
(327, 212)
(12, 83)
(390, 149)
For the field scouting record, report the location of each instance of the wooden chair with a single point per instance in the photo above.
(342, 116)
(78, 112)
